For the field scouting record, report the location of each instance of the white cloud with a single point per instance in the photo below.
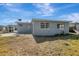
(7, 4)
(11, 7)
(74, 17)
(44, 9)
(15, 8)
(65, 7)
(13, 12)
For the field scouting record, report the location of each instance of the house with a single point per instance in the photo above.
(45, 27)
(24, 27)
(10, 28)
(72, 27)
(77, 26)
(1, 28)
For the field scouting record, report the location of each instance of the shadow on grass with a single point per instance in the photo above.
(41, 39)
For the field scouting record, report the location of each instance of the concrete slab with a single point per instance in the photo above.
(8, 34)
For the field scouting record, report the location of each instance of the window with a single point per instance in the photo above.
(60, 26)
(44, 25)
(47, 25)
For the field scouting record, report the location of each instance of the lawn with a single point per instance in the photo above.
(61, 45)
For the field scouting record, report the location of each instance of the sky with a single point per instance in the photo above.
(10, 13)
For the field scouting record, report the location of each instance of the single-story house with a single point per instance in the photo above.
(10, 28)
(49, 27)
(1, 28)
(77, 26)
(24, 27)
(73, 27)
(43, 27)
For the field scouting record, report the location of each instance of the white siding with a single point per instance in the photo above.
(77, 26)
(66, 27)
(25, 28)
(52, 30)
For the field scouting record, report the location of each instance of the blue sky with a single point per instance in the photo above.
(10, 13)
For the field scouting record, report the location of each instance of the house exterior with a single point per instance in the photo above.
(10, 29)
(77, 26)
(72, 27)
(1, 28)
(24, 27)
(49, 27)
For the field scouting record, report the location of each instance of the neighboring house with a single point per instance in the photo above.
(1, 28)
(72, 27)
(71, 24)
(24, 27)
(77, 26)
(10, 28)
(49, 27)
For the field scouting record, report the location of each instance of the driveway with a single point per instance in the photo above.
(7, 34)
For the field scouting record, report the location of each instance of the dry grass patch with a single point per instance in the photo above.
(49, 46)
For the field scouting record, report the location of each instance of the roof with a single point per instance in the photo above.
(49, 20)
(77, 23)
(23, 22)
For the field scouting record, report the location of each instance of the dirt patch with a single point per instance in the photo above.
(24, 45)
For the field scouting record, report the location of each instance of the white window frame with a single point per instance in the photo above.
(44, 25)
(60, 26)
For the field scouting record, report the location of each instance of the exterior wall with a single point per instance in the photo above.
(25, 28)
(9, 28)
(66, 27)
(71, 24)
(77, 26)
(1, 29)
(52, 30)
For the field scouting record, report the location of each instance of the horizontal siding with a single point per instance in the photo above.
(26, 28)
(77, 27)
(52, 30)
